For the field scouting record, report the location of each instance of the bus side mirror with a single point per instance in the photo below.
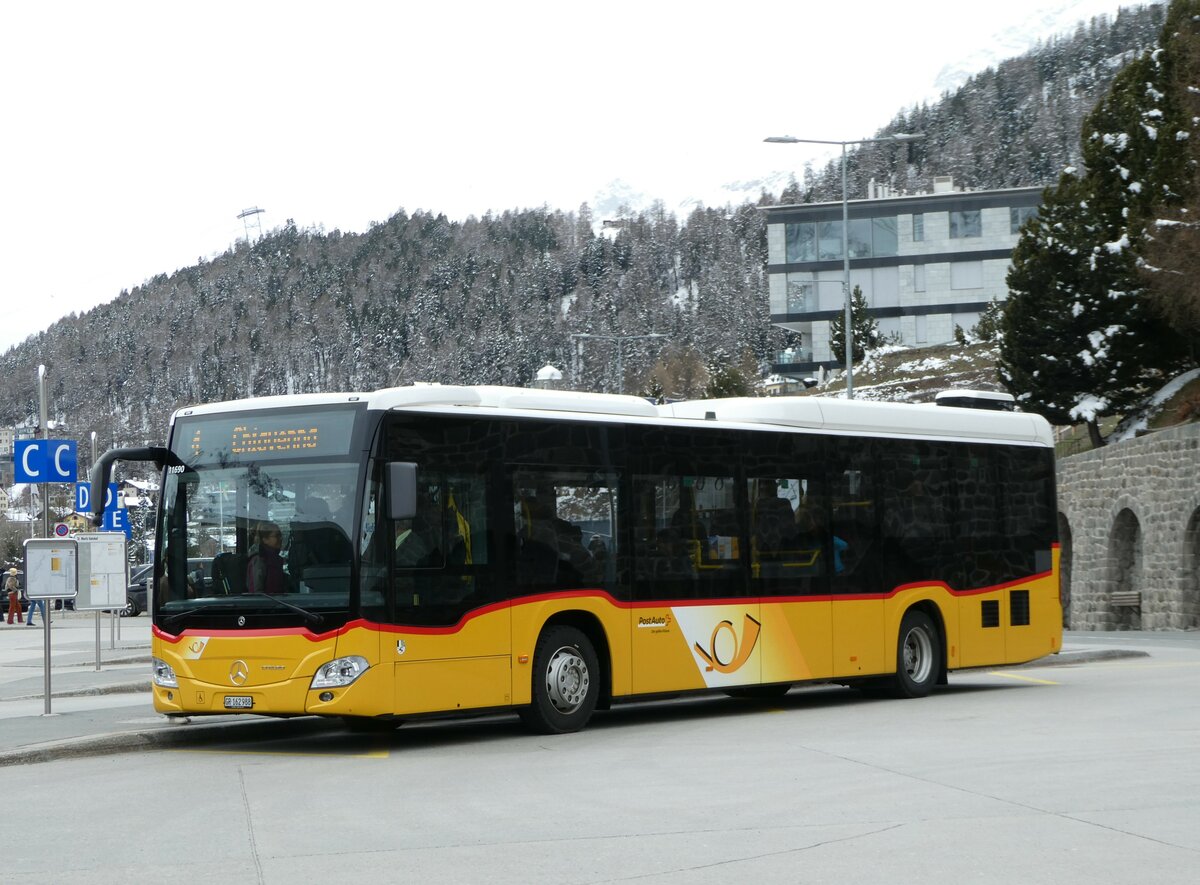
(401, 490)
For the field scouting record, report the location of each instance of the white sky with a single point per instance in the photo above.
(135, 132)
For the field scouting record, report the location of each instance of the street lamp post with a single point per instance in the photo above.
(791, 139)
(620, 339)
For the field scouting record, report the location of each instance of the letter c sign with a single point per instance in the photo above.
(44, 460)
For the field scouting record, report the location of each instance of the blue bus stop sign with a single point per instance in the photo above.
(117, 520)
(83, 497)
(44, 460)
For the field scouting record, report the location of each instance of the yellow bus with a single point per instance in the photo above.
(432, 550)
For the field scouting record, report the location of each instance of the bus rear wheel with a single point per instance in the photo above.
(917, 656)
(566, 682)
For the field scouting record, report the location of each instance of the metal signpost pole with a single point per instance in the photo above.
(45, 436)
(46, 655)
(47, 605)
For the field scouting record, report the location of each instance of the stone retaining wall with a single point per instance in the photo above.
(1129, 525)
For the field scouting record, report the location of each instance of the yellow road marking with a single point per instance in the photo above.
(1021, 678)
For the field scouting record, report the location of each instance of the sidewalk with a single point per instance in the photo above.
(109, 710)
(93, 711)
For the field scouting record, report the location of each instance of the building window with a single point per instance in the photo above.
(922, 330)
(885, 287)
(883, 236)
(798, 291)
(918, 278)
(829, 240)
(860, 238)
(918, 227)
(966, 275)
(800, 243)
(1018, 215)
(965, 224)
(822, 241)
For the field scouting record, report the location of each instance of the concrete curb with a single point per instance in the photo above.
(169, 734)
(1084, 656)
(115, 688)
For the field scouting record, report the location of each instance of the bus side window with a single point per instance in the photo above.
(853, 533)
(564, 525)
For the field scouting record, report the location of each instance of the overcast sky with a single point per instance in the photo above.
(136, 132)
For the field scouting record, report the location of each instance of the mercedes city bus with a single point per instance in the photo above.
(439, 549)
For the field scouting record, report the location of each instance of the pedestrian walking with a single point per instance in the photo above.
(13, 586)
(35, 603)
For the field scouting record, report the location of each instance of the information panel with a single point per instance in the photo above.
(103, 583)
(264, 436)
(51, 568)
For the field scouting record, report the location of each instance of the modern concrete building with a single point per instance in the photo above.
(926, 263)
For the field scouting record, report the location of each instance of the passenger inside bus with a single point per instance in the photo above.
(538, 552)
(416, 538)
(264, 568)
(317, 541)
(774, 522)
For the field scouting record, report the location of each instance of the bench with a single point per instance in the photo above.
(1126, 599)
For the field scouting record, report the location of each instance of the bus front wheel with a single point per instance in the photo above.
(917, 656)
(566, 682)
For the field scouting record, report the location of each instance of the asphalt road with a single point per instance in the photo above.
(1066, 774)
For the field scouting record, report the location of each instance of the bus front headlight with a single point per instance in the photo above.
(340, 672)
(163, 674)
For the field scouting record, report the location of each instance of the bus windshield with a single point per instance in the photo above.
(261, 536)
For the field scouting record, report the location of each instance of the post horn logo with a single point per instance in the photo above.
(741, 649)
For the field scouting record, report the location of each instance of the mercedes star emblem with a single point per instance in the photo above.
(239, 673)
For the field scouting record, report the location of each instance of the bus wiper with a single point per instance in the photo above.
(169, 620)
(311, 618)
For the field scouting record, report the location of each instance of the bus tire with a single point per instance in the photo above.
(566, 682)
(918, 653)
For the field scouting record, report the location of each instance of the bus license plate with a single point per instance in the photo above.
(238, 702)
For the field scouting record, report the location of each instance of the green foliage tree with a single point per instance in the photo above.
(12, 542)
(728, 380)
(1080, 338)
(1171, 253)
(864, 330)
(988, 326)
(1039, 361)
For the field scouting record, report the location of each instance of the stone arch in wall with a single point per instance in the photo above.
(1191, 572)
(1064, 567)
(1124, 570)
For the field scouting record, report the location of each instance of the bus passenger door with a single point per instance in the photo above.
(791, 564)
(693, 625)
(858, 602)
(450, 642)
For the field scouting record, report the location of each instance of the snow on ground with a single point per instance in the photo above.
(1140, 420)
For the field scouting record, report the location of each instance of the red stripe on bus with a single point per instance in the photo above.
(362, 623)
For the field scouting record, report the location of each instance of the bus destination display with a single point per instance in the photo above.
(253, 439)
(263, 437)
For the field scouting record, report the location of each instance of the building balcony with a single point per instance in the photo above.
(793, 361)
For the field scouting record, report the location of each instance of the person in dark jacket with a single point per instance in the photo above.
(264, 568)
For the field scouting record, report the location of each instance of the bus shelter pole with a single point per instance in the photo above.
(46, 655)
